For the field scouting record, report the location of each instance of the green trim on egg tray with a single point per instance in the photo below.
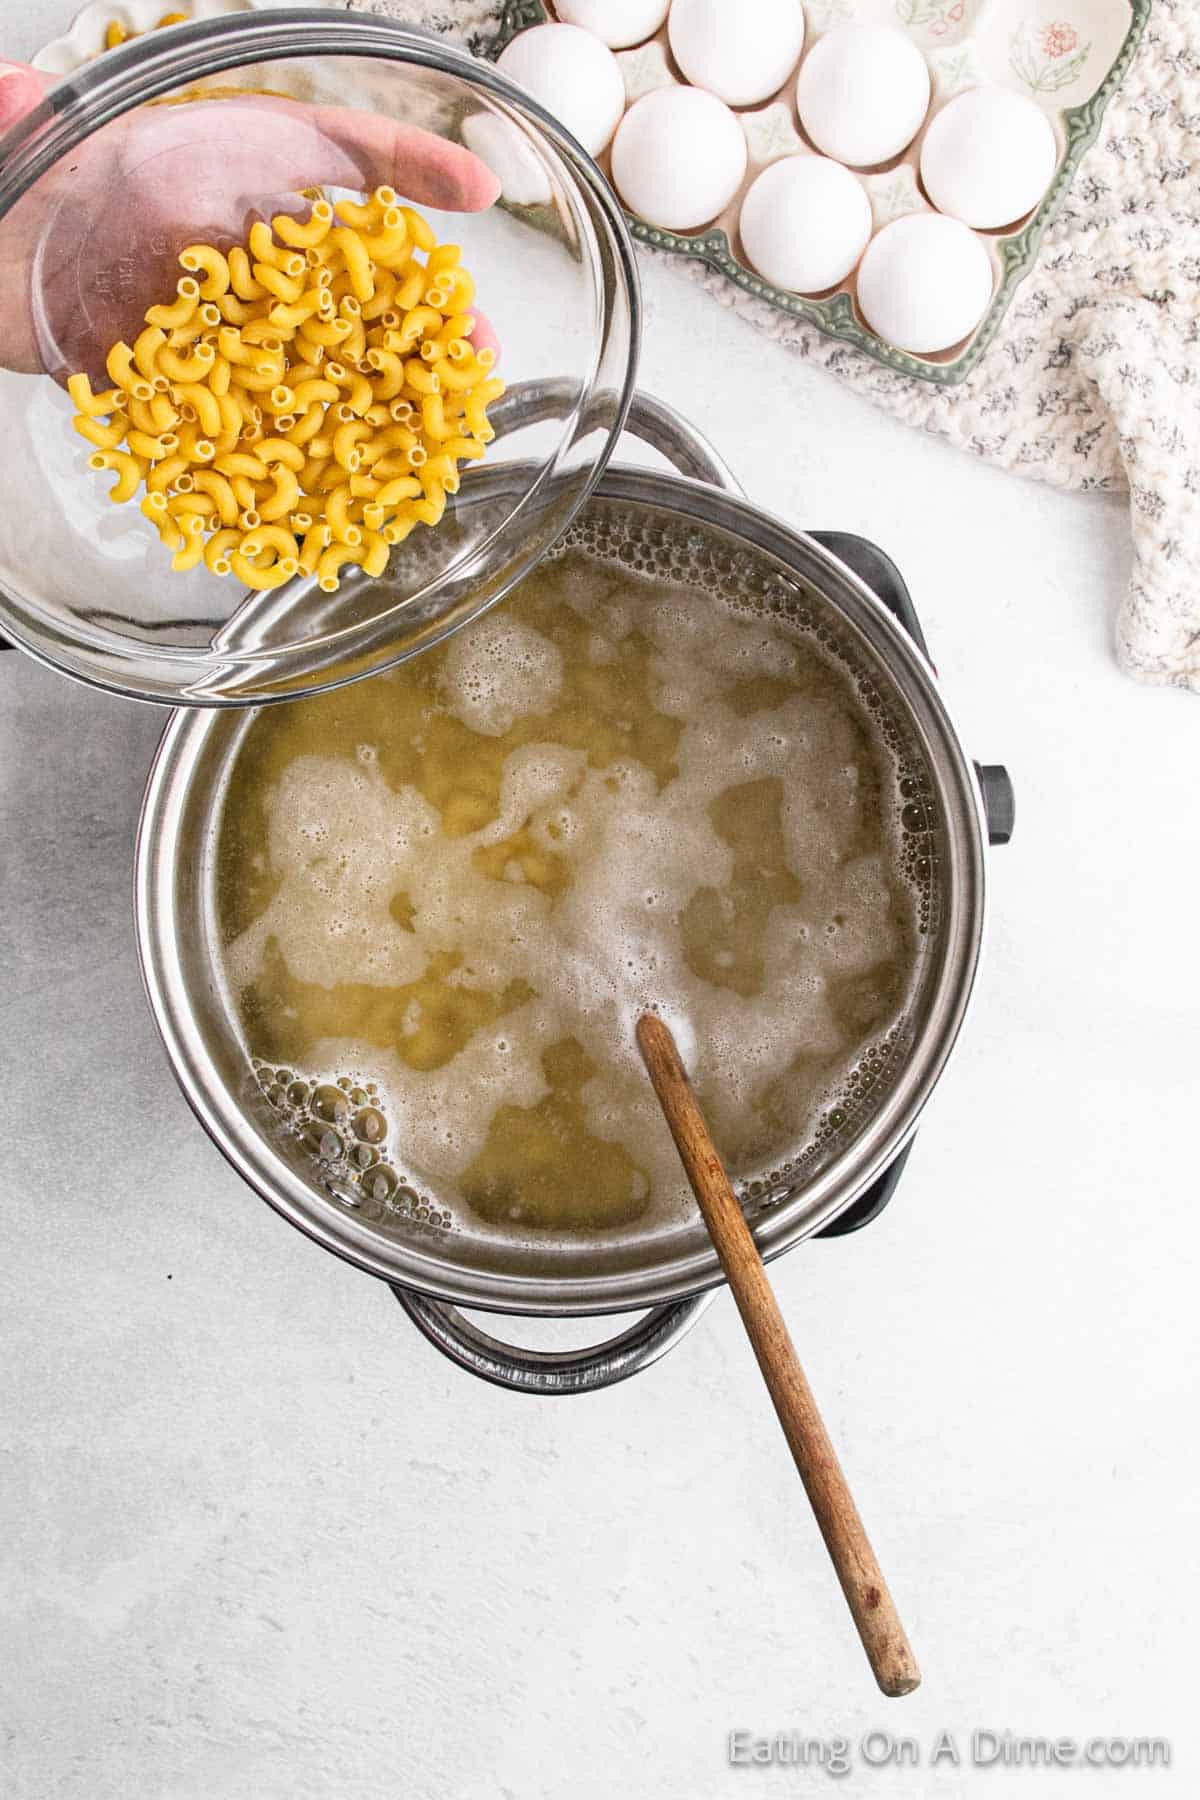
(835, 316)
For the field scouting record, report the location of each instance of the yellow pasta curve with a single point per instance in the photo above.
(302, 404)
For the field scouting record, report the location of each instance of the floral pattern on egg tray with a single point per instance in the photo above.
(1069, 56)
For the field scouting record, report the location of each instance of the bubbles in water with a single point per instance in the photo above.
(370, 1125)
(381, 1182)
(638, 851)
(321, 1141)
(329, 1104)
(346, 1162)
(498, 670)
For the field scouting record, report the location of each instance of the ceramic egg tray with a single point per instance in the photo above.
(1067, 55)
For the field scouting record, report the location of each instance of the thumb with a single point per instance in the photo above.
(21, 89)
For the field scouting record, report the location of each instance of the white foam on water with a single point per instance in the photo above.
(498, 671)
(343, 843)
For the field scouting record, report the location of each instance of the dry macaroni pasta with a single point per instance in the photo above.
(304, 401)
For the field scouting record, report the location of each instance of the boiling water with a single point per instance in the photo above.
(456, 886)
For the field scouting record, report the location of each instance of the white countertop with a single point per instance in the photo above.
(262, 1543)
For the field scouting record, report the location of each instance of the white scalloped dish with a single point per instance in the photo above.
(85, 38)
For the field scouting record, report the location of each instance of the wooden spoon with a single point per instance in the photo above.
(866, 1591)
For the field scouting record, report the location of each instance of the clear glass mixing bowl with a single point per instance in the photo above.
(86, 585)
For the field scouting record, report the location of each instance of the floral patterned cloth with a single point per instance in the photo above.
(1093, 380)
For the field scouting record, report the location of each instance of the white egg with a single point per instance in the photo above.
(805, 223)
(511, 158)
(574, 76)
(862, 93)
(924, 282)
(740, 50)
(617, 23)
(988, 157)
(678, 157)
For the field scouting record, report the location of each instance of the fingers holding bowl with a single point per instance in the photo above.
(424, 167)
(21, 89)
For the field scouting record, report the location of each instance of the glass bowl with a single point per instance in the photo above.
(98, 193)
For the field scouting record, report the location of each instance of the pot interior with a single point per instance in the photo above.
(417, 1238)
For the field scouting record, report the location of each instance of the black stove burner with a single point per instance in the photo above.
(880, 574)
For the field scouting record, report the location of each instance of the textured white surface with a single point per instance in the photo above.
(261, 1543)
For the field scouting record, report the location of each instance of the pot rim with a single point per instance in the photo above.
(785, 1223)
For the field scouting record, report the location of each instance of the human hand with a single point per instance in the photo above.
(96, 240)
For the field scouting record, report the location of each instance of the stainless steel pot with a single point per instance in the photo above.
(672, 1271)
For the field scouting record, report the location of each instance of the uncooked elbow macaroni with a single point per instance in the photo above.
(303, 402)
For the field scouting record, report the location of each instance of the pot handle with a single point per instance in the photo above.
(552, 1371)
(999, 801)
(676, 438)
(651, 420)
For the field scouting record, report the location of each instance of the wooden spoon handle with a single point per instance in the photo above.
(866, 1591)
